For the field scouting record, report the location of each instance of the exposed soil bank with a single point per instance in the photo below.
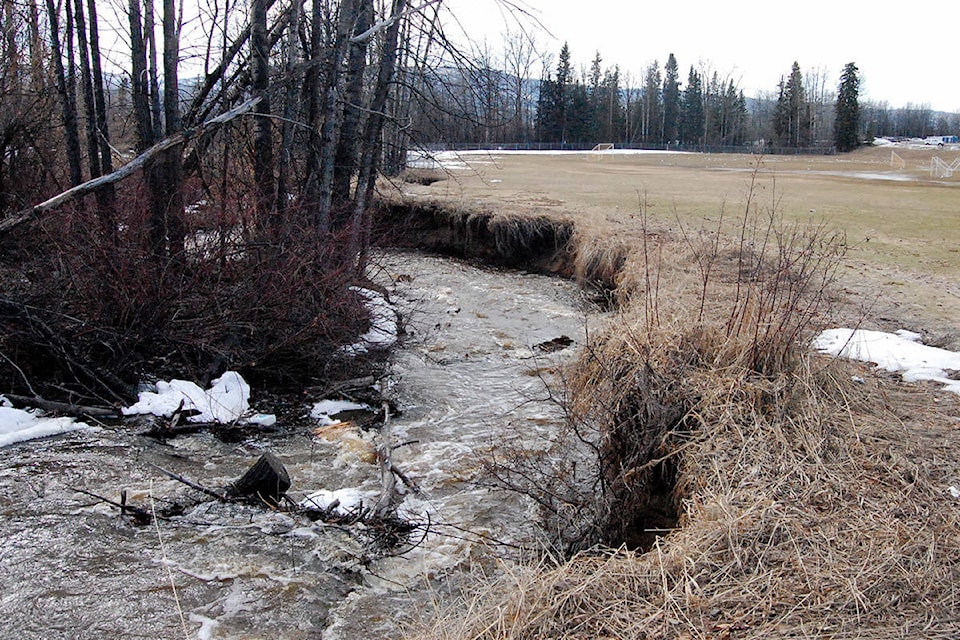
(533, 243)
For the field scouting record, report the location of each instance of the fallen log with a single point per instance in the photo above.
(25, 215)
(66, 408)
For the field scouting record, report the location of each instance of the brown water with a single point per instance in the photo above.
(467, 378)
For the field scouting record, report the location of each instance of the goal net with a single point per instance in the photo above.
(940, 169)
(597, 151)
(896, 161)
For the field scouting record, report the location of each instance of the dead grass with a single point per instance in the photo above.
(806, 505)
(902, 235)
(833, 521)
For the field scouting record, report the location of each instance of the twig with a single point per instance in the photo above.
(173, 584)
(143, 514)
(193, 485)
(26, 380)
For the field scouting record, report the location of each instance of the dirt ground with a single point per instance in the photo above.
(902, 268)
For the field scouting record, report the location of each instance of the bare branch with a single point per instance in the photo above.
(126, 170)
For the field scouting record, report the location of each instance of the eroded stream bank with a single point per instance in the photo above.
(467, 378)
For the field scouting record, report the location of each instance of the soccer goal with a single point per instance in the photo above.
(940, 169)
(598, 150)
(896, 161)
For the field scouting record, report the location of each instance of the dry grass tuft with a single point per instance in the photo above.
(830, 521)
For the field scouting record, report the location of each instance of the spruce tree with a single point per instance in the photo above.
(612, 121)
(846, 129)
(793, 118)
(691, 110)
(671, 100)
(651, 108)
(554, 103)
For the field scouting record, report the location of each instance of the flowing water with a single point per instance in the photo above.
(468, 379)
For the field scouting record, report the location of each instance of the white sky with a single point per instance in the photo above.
(905, 53)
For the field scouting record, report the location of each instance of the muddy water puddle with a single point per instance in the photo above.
(468, 377)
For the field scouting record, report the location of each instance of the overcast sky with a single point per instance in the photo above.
(754, 42)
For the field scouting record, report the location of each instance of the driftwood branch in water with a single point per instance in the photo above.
(63, 407)
(142, 515)
(390, 496)
(126, 170)
(193, 485)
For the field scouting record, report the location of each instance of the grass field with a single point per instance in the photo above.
(902, 226)
(814, 497)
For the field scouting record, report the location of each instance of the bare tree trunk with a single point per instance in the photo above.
(165, 174)
(106, 159)
(330, 131)
(312, 90)
(36, 47)
(68, 99)
(263, 127)
(86, 82)
(150, 36)
(345, 158)
(140, 86)
(171, 82)
(370, 155)
(289, 110)
(98, 147)
(11, 50)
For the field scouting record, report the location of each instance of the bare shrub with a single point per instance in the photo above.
(277, 310)
(681, 359)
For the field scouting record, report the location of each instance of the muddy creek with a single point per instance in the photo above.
(467, 377)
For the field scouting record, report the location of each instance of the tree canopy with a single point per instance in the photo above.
(846, 126)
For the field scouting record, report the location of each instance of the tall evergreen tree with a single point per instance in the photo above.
(671, 100)
(612, 121)
(691, 110)
(546, 105)
(595, 92)
(846, 128)
(580, 115)
(793, 117)
(554, 102)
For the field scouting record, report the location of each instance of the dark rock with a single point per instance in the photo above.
(266, 480)
(557, 344)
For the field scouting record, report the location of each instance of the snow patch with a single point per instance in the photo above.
(226, 401)
(19, 425)
(900, 352)
(383, 323)
(325, 408)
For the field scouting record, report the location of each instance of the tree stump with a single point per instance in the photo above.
(267, 480)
